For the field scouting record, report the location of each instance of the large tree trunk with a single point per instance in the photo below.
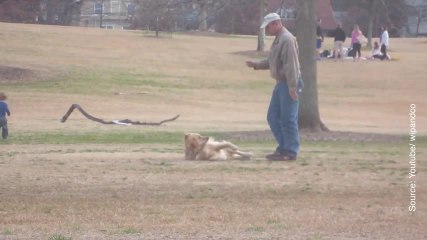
(203, 16)
(42, 18)
(101, 14)
(419, 12)
(50, 11)
(261, 34)
(372, 14)
(309, 116)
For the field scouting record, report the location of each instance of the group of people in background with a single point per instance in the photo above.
(379, 50)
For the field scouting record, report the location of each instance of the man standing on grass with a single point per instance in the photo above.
(384, 38)
(339, 39)
(319, 37)
(284, 67)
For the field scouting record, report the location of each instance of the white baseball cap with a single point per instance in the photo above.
(269, 18)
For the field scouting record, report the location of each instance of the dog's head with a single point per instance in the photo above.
(194, 142)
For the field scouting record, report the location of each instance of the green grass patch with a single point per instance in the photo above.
(130, 230)
(255, 229)
(316, 236)
(118, 137)
(420, 141)
(99, 81)
(59, 237)
(78, 80)
(47, 210)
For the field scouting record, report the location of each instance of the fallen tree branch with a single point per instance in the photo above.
(121, 122)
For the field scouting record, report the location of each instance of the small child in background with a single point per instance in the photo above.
(3, 111)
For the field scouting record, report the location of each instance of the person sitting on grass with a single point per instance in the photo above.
(376, 52)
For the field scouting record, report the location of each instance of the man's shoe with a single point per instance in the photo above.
(281, 157)
(271, 156)
(275, 154)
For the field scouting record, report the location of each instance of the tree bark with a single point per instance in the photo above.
(203, 16)
(42, 18)
(419, 12)
(372, 14)
(261, 34)
(102, 13)
(309, 116)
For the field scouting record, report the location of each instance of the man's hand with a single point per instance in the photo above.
(293, 94)
(251, 64)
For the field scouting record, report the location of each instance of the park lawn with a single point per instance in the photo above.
(335, 190)
(84, 180)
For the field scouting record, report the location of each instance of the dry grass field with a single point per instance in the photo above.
(84, 180)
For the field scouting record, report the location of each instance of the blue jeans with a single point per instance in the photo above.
(282, 117)
(3, 126)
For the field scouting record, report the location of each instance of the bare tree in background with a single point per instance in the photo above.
(210, 9)
(373, 6)
(21, 11)
(175, 15)
(376, 8)
(203, 15)
(101, 13)
(238, 17)
(421, 17)
(60, 12)
(156, 15)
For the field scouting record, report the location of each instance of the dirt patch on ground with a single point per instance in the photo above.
(14, 74)
(317, 136)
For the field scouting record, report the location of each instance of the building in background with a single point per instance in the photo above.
(110, 14)
(417, 18)
(286, 9)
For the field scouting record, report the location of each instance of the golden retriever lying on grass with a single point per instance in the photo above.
(198, 147)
